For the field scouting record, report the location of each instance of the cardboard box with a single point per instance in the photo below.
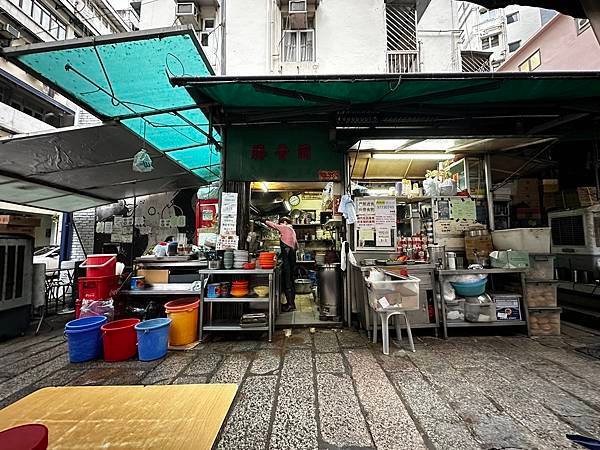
(21, 221)
(154, 276)
(509, 259)
(508, 306)
(550, 185)
(581, 197)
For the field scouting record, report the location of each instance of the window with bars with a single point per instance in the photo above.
(298, 45)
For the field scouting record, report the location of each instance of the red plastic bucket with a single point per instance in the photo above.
(119, 339)
(25, 437)
(100, 265)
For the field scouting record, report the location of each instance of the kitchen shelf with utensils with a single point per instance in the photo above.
(208, 320)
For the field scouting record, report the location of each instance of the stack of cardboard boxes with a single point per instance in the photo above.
(526, 200)
(554, 198)
(10, 224)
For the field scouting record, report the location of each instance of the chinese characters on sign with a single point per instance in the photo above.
(229, 201)
(376, 224)
(258, 152)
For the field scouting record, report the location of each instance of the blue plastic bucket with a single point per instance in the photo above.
(153, 338)
(84, 338)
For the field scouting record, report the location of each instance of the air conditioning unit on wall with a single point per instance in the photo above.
(298, 14)
(188, 14)
(7, 31)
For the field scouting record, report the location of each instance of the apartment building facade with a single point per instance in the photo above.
(26, 104)
(287, 37)
(497, 33)
(564, 43)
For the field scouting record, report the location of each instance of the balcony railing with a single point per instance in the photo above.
(403, 61)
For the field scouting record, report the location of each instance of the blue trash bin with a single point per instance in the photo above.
(84, 338)
(153, 338)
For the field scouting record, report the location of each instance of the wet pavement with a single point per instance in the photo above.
(332, 389)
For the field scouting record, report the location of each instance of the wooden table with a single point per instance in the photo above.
(126, 417)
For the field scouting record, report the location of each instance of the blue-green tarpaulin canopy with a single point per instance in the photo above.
(126, 78)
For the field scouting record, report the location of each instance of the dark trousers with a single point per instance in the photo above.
(288, 257)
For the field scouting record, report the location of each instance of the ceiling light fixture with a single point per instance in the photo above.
(264, 186)
(416, 156)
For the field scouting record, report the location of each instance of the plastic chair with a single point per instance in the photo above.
(384, 317)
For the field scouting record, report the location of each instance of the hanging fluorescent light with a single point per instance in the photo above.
(417, 156)
(264, 186)
(380, 144)
(432, 145)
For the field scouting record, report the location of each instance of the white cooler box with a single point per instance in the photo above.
(532, 240)
(394, 294)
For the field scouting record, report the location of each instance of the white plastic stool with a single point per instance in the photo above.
(384, 317)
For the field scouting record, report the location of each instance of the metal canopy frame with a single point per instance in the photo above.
(415, 116)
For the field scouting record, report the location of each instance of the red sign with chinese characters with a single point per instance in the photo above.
(329, 175)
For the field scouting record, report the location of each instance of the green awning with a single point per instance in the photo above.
(126, 78)
(464, 89)
(421, 105)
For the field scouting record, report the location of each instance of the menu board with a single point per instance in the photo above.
(376, 222)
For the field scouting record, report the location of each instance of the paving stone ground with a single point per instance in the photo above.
(332, 389)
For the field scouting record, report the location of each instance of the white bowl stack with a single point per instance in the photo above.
(240, 257)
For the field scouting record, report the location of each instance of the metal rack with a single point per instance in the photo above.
(219, 325)
(464, 324)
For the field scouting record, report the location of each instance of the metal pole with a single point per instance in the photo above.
(488, 190)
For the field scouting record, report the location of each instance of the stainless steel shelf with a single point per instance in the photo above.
(237, 300)
(498, 323)
(163, 289)
(479, 271)
(236, 272)
(233, 327)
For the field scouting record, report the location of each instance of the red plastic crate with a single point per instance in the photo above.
(98, 288)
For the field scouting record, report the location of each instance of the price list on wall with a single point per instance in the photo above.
(376, 222)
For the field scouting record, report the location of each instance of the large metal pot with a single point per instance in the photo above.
(303, 286)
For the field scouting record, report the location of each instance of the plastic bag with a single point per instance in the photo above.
(92, 308)
(327, 197)
(448, 187)
(142, 162)
(448, 290)
(431, 186)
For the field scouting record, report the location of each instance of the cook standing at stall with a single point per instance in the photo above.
(288, 243)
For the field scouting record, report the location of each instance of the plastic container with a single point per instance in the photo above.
(532, 240)
(455, 311)
(544, 322)
(97, 288)
(394, 294)
(480, 309)
(469, 289)
(184, 316)
(100, 265)
(213, 290)
(541, 267)
(32, 436)
(119, 339)
(542, 294)
(84, 338)
(153, 338)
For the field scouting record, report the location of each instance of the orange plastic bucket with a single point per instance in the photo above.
(184, 316)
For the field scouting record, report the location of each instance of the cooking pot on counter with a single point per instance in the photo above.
(303, 286)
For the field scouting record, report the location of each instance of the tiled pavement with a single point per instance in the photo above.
(332, 389)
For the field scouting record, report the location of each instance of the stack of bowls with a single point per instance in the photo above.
(266, 260)
(240, 257)
(239, 288)
(228, 259)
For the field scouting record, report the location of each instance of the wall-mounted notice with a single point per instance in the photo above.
(376, 222)
(229, 203)
(463, 208)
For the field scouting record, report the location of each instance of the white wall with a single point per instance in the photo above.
(157, 14)
(350, 36)
(246, 37)
(530, 21)
(15, 121)
(438, 38)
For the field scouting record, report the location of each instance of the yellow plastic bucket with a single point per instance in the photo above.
(184, 316)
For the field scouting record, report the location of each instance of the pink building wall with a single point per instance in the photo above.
(561, 48)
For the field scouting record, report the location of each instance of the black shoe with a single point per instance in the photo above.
(288, 308)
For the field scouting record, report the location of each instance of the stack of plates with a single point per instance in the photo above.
(240, 257)
(228, 259)
(266, 260)
(239, 288)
